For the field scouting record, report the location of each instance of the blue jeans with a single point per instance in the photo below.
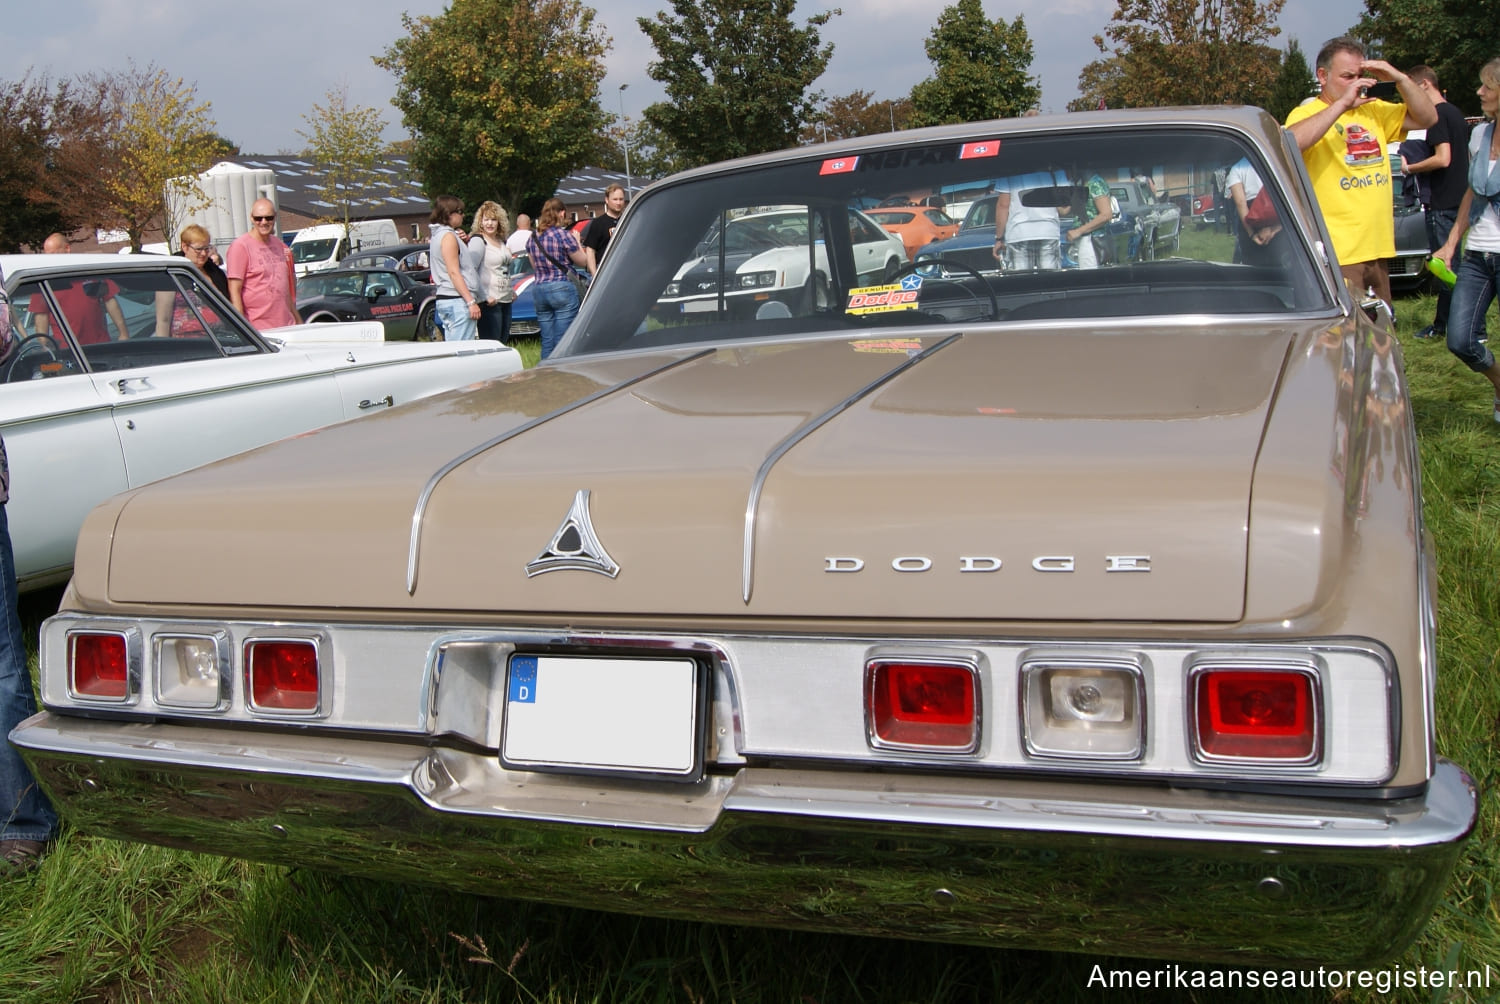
(1472, 296)
(458, 326)
(1439, 226)
(556, 306)
(25, 813)
(494, 322)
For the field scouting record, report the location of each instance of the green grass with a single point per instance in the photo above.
(113, 922)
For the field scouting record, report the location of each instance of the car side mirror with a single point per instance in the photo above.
(374, 293)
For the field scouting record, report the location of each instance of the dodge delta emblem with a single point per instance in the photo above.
(574, 545)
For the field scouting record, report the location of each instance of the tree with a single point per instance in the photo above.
(854, 114)
(1101, 85)
(1186, 52)
(344, 143)
(652, 153)
(52, 140)
(736, 74)
(981, 69)
(501, 97)
(163, 138)
(1454, 38)
(1294, 83)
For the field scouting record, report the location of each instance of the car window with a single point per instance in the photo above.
(385, 281)
(788, 247)
(42, 348)
(313, 250)
(939, 218)
(414, 262)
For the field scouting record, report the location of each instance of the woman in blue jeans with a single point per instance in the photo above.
(554, 250)
(1479, 217)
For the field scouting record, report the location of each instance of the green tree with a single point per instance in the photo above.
(981, 69)
(736, 74)
(854, 114)
(164, 136)
(52, 141)
(1294, 83)
(1185, 52)
(501, 97)
(343, 141)
(652, 153)
(1102, 84)
(1454, 38)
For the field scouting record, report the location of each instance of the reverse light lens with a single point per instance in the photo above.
(1083, 710)
(282, 675)
(922, 705)
(190, 670)
(1258, 714)
(99, 666)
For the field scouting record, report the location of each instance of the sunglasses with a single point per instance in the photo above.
(263, 219)
(200, 248)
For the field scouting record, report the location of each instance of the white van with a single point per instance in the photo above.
(315, 249)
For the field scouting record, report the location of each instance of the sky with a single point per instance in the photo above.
(263, 66)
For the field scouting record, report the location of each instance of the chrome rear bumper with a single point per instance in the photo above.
(1086, 866)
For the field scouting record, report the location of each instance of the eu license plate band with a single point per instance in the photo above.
(602, 715)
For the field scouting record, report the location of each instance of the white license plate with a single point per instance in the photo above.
(612, 715)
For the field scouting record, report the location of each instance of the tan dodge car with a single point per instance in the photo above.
(1083, 609)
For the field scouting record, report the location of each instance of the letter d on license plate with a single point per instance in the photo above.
(602, 715)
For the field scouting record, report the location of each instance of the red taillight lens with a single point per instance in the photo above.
(99, 666)
(1257, 714)
(918, 704)
(283, 675)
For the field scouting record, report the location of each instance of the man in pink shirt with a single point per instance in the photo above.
(261, 284)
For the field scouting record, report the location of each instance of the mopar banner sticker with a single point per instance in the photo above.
(892, 346)
(882, 299)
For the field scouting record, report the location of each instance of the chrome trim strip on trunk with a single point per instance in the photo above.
(414, 548)
(806, 429)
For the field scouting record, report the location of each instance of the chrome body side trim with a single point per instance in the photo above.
(747, 574)
(916, 856)
(414, 547)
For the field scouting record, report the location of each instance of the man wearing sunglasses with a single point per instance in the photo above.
(261, 282)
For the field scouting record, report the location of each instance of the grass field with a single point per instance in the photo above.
(112, 922)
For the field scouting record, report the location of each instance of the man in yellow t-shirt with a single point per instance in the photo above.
(1343, 135)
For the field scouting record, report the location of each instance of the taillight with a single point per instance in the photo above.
(1257, 714)
(99, 666)
(282, 674)
(1083, 709)
(922, 705)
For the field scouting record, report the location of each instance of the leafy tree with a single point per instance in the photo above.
(652, 153)
(343, 140)
(501, 97)
(736, 74)
(1454, 38)
(163, 138)
(1294, 83)
(1185, 52)
(981, 69)
(52, 139)
(854, 114)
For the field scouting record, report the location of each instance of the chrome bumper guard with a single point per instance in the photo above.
(1106, 868)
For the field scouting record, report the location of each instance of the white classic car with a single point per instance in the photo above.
(1085, 609)
(89, 408)
(773, 256)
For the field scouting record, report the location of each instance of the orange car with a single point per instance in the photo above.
(917, 226)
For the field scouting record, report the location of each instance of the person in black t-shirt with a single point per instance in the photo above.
(1447, 171)
(597, 234)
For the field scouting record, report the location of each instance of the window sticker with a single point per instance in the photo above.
(974, 151)
(884, 299)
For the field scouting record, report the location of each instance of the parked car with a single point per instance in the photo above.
(404, 306)
(917, 226)
(187, 381)
(1159, 223)
(760, 257)
(1074, 609)
(523, 309)
(1408, 270)
(409, 258)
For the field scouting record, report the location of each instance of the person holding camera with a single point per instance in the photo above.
(1343, 132)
